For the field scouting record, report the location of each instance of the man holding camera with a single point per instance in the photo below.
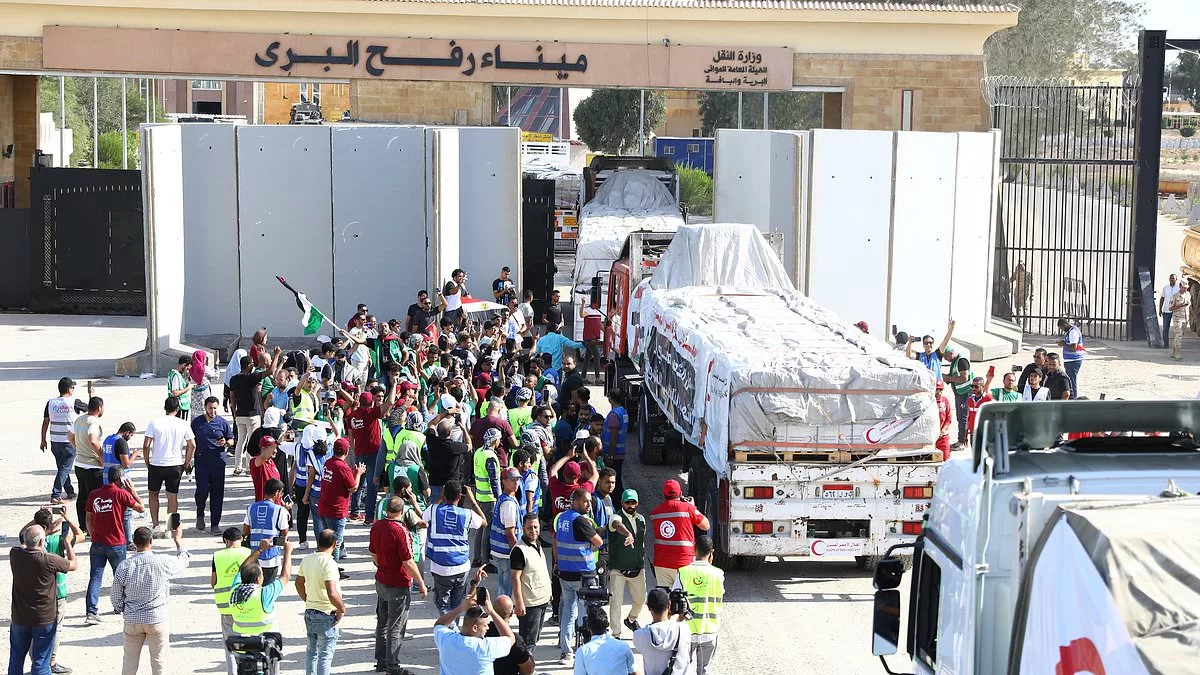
(665, 645)
(226, 565)
(575, 544)
(603, 654)
(470, 650)
(674, 523)
(253, 602)
(704, 584)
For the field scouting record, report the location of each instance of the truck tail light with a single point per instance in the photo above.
(912, 527)
(918, 492)
(757, 527)
(758, 492)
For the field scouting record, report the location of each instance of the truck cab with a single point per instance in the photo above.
(998, 570)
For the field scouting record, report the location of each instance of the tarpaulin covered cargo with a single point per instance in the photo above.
(738, 359)
(1114, 588)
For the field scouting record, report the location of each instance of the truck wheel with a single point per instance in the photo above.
(751, 563)
(866, 562)
(652, 453)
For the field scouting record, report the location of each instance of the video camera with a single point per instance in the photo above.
(256, 654)
(593, 595)
(679, 603)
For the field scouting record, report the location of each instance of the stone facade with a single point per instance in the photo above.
(410, 102)
(278, 98)
(18, 126)
(946, 95)
(7, 172)
(20, 53)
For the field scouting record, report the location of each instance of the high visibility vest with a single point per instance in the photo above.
(392, 443)
(483, 483)
(449, 544)
(306, 410)
(109, 456)
(535, 578)
(249, 618)
(519, 417)
(499, 542)
(263, 516)
(228, 563)
(573, 555)
(616, 445)
(705, 587)
(600, 517)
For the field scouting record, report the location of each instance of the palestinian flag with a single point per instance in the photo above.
(311, 317)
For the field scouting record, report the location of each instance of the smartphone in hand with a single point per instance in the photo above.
(481, 596)
(175, 521)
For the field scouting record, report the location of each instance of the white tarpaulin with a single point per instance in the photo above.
(738, 359)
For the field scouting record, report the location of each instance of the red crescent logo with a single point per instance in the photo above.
(867, 435)
(813, 548)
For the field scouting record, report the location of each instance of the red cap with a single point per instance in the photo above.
(940, 385)
(862, 325)
(571, 471)
(406, 385)
(341, 446)
(671, 488)
(366, 398)
(267, 440)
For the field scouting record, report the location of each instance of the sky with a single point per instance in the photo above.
(1180, 18)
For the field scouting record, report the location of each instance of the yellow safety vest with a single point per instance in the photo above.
(391, 444)
(705, 587)
(483, 484)
(227, 562)
(519, 417)
(249, 618)
(306, 409)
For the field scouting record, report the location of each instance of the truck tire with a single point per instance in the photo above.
(652, 453)
(868, 562)
(750, 563)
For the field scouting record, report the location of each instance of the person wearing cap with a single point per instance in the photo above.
(226, 564)
(263, 467)
(945, 419)
(338, 482)
(487, 491)
(674, 522)
(505, 527)
(267, 519)
(862, 325)
(213, 435)
(168, 449)
(575, 544)
(318, 586)
(627, 563)
(366, 434)
(57, 420)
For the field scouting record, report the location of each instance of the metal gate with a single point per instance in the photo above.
(88, 240)
(537, 237)
(1065, 214)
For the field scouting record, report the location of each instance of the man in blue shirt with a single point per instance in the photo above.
(603, 654)
(552, 343)
(930, 357)
(469, 651)
(214, 436)
(1072, 344)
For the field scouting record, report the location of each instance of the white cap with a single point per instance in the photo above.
(582, 434)
(448, 401)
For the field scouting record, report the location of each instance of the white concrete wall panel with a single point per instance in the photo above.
(922, 231)
(490, 205)
(285, 214)
(378, 218)
(849, 220)
(442, 208)
(162, 190)
(210, 217)
(974, 229)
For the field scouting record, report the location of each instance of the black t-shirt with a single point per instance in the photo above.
(447, 458)
(245, 390)
(516, 656)
(507, 288)
(554, 313)
(1057, 383)
(583, 530)
(569, 384)
(421, 318)
(1025, 376)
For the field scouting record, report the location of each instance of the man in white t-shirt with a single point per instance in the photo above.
(168, 450)
(1164, 307)
(452, 294)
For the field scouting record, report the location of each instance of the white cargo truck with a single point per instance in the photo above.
(1067, 543)
(804, 437)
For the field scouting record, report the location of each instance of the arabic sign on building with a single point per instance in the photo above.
(193, 53)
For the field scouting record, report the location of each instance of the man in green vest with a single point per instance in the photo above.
(252, 603)
(704, 584)
(487, 491)
(225, 567)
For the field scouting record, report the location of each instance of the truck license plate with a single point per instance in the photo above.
(837, 492)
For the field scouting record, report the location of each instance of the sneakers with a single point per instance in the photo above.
(304, 546)
(354, 517)
(215, 530)
(566, 658)
(91, 620)
(369, 522)
(237, 472)
(200, 527)
(59, 669)
(159, 532)
(631, 624)
(552, 621)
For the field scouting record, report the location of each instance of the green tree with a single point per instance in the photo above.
(1052, 35)
(109, 145)
(785, 110)
(607, 121)
(79, 95)
(1184, 77)
(695, 190)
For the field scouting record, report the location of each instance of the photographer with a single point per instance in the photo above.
(665, 645)
(470, 650)
(603, 654)
(705, 587)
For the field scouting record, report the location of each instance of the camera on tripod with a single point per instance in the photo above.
(593, 596)
(679, 603)
(256, 654)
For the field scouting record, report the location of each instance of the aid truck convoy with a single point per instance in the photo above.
(1068, 542)
(804, 436)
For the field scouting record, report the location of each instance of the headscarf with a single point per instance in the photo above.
(416, 421)
(491, 436)
(410, 453)
(272, 418)
(241, 593)
(235, 366)
(311, 434)
(199, 365)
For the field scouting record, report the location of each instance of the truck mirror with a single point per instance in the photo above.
(594, 293)
(888, 573)
(886, 623)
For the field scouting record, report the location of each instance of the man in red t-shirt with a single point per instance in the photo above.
(338, 482)
(106, 526)
(979, 395)
(263, 467)
(944, 421)
(674, 522)
(395, 571)
(578, 470)
(366, 436)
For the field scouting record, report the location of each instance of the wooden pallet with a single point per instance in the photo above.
(810, 456)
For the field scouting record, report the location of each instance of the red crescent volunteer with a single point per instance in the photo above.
(673, 522)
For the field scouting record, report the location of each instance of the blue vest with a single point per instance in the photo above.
(537, 493)
(616, 445)
(109, 457)
(263, 516)
(573, 556)
(499, 542)
(317, 466)
(600, 517)
(449, 543)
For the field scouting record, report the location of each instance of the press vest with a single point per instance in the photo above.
(249, 618)
(499, 542)
(62, 417)
(109, 458)
(616, 445)
(573, 556)
(535, 578)
(449, 544)
(392, 443)
(317, 466)
(306, 409)
(705, 587)
(483, 483)
(263, 516)
(601, 518)
(227, 562)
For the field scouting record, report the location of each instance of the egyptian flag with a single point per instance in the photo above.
(311, 317)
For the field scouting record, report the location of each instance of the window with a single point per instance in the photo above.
(695, 133)
(906, 110)
(668, 150)
(207, 85)
(310, 93)
(925, 622)
(693, 147)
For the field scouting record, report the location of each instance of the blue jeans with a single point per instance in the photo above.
(338, 525)
(210, 484)
(366, 488)
(503, 576)
(64, 460)
(435, 493)
(128, 527)
(318, 523)
(322, 640)
(99, 556)
(448, 592)
(568, 614)
(36, 641)
(1072, 368)
(1166, 317)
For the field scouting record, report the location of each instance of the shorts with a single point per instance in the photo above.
(171, 475)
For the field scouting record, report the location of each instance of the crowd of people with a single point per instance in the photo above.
(468, 446)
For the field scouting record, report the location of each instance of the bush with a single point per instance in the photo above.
(1187, 132)
(696, 190)
(109, 145)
